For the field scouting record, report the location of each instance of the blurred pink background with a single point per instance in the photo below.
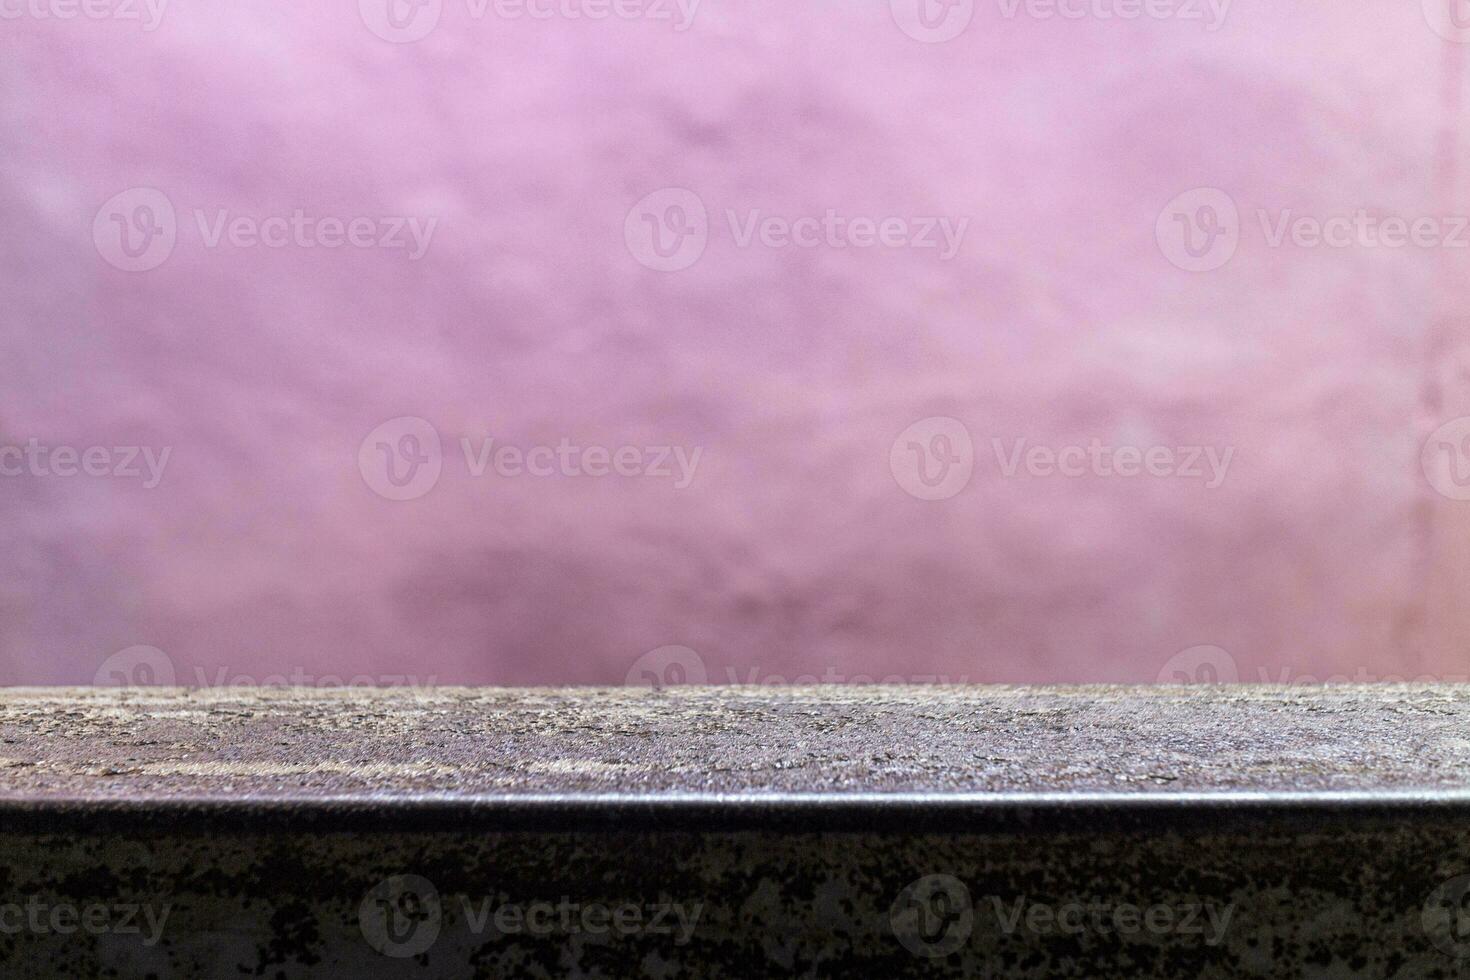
(260, 257)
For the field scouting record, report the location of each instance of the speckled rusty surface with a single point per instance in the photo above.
(735, 743)
(1358, 867)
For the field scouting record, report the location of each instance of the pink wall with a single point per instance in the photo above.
(1063, 309)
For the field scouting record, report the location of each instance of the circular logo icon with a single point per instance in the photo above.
(400, 915)
(136, 230)
(1446, 917)
(667, 230)
(1450, 19)
(932, 21)
(1446, 459)
(401, 21)
(1199, 230)
(401, 459)
(933, 458)
(933, 916)
(139, 666)
(1200, 665)
(670, 666)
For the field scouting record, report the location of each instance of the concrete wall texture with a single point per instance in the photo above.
(586, 341)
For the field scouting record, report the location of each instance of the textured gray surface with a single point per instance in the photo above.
(263, 832)
(462, 744)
